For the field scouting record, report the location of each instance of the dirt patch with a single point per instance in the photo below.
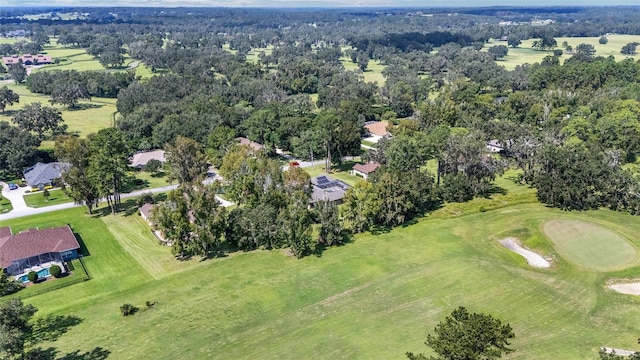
(533, 259)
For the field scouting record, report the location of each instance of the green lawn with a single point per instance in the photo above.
(89, 118)
(591, 246)
(56, 197)
(373, 298)
(337, 173)
(5, 205)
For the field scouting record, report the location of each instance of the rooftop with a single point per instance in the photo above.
(41, 173)
(142, 158)
(246, 142)
(377, 128)
(34, 242)
(327, 188)
(367, 168)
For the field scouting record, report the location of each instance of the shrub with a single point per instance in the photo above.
(55, 271)
(144, 198)
(128, 309)
(32, 276)
(8, 285)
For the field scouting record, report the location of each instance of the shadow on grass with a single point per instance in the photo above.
(97, 353)
(346, 238)
(10, 113)
(83, 248)
(493, 190)
(84, 106)
(127, 206)
(52, 327)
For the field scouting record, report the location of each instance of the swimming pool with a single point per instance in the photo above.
(41, 275)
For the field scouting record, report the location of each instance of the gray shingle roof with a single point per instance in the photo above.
(40, 174)
(327, 188)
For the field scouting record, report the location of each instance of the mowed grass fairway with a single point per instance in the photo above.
(525, 54)
(374, 298)
(590, 245)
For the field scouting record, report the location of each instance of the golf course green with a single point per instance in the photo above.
(590, 245)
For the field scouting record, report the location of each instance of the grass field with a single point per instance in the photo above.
(5, 205)
(89, 118)
(37, 199)
(526, 54)
(341, 173)
(375, 297)
(591, 246)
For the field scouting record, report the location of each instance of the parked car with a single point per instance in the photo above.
(12, 186)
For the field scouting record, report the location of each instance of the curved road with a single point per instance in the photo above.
(21, 209)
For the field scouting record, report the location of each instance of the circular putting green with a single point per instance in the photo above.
(589, 245)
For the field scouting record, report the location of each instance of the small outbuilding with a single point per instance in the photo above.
(364, 170)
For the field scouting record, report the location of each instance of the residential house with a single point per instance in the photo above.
(17, 33)
(364, 170)
(326, 188)
(26, 59)
(36, 250)
(41, 176)
(254, 146)
(141, 159)
(377, 129)
(495, 146)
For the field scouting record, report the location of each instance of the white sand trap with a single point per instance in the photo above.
(533, 259)
(629, 289)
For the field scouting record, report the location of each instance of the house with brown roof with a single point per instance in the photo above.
(36, 250)
(254, 146)
(364, 170)
(26, 59)
(377, 128)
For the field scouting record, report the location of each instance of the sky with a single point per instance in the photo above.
(315, 3)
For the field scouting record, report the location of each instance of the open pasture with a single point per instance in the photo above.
(375, 297)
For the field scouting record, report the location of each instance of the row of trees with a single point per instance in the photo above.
(273, 207)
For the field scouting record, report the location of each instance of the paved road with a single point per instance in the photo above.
(24, 210)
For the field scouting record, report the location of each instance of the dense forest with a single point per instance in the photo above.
(571, 123)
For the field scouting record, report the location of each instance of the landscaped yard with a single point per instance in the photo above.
(337, 173)
(38, 199)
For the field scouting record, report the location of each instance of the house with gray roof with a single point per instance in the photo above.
(326, 188)
(141, 159)
(41, 176)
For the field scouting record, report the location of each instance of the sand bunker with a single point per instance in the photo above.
(532, 258)
(629, 289)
